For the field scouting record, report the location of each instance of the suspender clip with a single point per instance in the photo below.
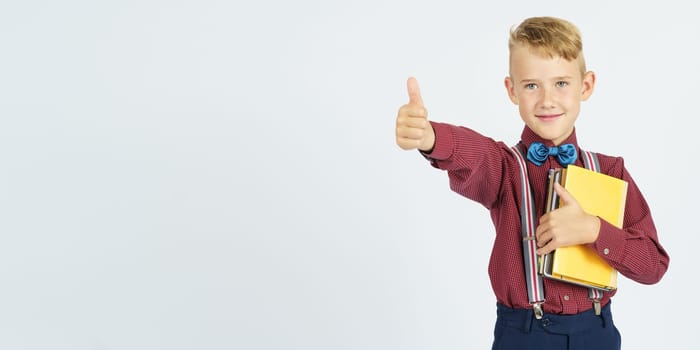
(596, 306)
(537, 308)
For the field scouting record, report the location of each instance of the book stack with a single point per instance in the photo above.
(600, 195)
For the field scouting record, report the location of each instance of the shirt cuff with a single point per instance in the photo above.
(610, 243)
(444, 143)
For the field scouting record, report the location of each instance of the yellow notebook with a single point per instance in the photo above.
(598, 194)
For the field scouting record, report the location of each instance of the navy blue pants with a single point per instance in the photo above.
(519, 329)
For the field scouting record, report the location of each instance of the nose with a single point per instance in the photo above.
(548, 98)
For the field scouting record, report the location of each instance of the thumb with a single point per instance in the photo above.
(564, 195)
(414, 96)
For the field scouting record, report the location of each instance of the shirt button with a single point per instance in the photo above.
(566, 297)
(606, 251)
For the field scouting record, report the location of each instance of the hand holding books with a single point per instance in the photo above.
(568, 225)
(597, 194)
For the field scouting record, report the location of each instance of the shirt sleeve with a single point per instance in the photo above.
(634, 250)
(474, 162)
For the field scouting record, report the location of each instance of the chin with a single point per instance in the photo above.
(553, 133)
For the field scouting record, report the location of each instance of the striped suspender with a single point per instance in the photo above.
(535, 287)
(590, 161)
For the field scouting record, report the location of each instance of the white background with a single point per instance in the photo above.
(223, 175)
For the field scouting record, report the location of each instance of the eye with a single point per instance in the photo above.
(562, 83)
(531, 86)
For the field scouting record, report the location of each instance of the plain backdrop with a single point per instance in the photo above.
(223, 175)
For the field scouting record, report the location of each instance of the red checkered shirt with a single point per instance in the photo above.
(486, 171)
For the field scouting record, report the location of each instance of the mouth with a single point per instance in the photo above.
(549, 117)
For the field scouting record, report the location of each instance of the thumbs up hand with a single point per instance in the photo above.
(413, 131)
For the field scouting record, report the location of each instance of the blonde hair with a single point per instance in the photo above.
(549, 37)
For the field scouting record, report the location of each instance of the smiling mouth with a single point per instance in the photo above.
(548, 117)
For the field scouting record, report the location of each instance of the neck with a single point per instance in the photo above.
(560, 140)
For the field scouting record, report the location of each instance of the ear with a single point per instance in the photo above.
(588, 85)
(510, 88)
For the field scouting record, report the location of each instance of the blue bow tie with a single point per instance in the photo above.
(538, 153)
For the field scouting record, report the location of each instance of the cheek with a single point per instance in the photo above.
(573, 100)
(528, 100)
(525, 111)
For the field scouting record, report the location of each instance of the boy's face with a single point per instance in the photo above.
(548, 92)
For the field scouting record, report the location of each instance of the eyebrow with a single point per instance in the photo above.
(566, 77)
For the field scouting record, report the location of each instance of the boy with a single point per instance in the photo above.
(547, 81)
